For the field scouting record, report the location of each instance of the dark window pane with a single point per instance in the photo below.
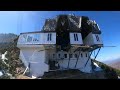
(53, 55)
(75, 55)
(59, 55)
(48, 37)
(65, 55)
(97, 38)
(81, 55)
(29, 39)
(76, 37)
(71, 55)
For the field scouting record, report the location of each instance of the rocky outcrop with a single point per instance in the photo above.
(74, 74)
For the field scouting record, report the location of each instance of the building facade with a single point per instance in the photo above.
(65, 42)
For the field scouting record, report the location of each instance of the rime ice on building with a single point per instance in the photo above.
(65, 42)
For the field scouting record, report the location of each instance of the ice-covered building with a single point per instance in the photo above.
(65, 42)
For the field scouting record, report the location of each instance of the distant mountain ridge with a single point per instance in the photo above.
(7, 41)
(7, 38)
(114, 63)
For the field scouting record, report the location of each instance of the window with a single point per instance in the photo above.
(97, 38)
(65, 55)
(49, 37)
(81, 55)
(36, 38)
(75, 55)
(59, 55)
(75, 37)
(71, 56)
(53, 55)
(86, 54)
(25, 36)
(29, 39)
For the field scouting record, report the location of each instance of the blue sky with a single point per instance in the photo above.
(27, 21)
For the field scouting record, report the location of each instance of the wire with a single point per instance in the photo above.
(19, 22)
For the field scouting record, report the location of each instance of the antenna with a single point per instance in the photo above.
(109, 46)
(19, 22)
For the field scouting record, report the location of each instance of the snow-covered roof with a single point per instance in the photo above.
(74, 23)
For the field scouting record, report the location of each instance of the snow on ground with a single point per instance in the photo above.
(1, 73)
(97, 67)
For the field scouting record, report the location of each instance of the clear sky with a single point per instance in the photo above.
(27, 21)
